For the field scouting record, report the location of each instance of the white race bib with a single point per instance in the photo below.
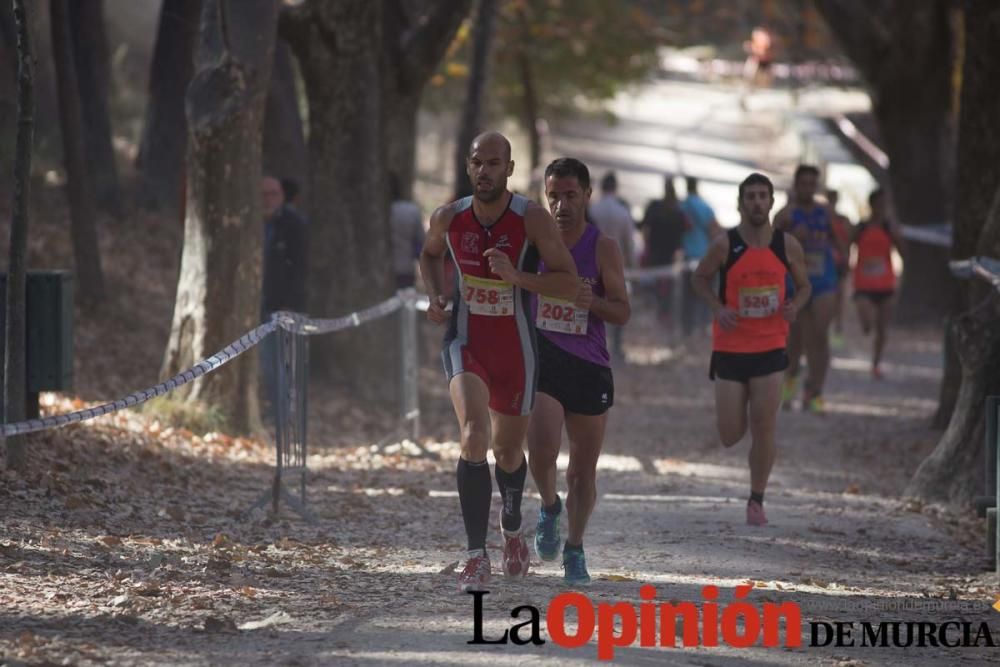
(759, 302)
(816, 263)
(561, 316)
(493, 298)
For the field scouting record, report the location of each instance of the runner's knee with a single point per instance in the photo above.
(475, 439)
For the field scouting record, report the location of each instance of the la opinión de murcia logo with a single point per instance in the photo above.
(739, 624)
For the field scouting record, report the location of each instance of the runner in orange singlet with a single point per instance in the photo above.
(874, 279)
(750, 330)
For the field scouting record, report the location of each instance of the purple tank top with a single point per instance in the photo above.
(591, 346)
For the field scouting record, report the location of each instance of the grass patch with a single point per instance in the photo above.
(195, 416)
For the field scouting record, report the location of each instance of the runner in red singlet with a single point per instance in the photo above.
(874, 279)
(495, 239)
(750, 329)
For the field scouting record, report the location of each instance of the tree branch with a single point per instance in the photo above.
(422, 44)
(859, 28)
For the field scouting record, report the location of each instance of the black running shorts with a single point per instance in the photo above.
(876, 297)
(582, 387)
(741, 367)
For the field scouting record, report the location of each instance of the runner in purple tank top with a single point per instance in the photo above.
(575, 385)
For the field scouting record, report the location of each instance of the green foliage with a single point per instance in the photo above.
(575, 49)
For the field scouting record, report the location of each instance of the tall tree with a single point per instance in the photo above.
(472, 111)
(904, 51)
(954, 470)
(160, 162)
(285, 154)
(79, 186)
(415, 37)
(93, 68)
(218, 291)
(556, 53)
(339, 52)
(14, 336)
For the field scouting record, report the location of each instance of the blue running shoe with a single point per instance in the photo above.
(547, 540)
(575, 566)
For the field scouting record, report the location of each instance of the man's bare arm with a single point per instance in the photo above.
(710, 264)
(800, 276)
(560, 280)
(432, 262)
(613, 307)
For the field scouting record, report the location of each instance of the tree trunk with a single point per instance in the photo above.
(78, 182)
(903, 50)
(285, 154)
(953, 472)
(338, 48)
(415, 37)
(162, 150)
(977, 168)
(218, 292)
(401, 140)
(90, 47)
(529, 100)
(954, 469)
(472, 112)
(14, 355)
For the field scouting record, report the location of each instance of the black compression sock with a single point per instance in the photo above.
(572, 547)
(475, 491)
(757, 497)
(556, 507)
(511, 487)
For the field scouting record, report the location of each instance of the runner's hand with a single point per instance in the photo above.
(727, 317)
(500, 264)
(790, 311)
(436, 312)
(584, 297)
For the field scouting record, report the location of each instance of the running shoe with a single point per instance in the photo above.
(836, 341)
(516, 556)
(547, 540)
(575, 568)
(876, 373)
(816, 404)
(788, 390)
(476, 574)
(755, 514)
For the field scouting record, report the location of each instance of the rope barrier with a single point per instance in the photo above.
(224, 356)
(289, 321)
(293, 322)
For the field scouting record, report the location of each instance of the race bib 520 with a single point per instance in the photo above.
(758, 301)
(494, 298)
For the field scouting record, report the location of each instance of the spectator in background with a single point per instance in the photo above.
(701, 228)
(406, 224)
(662, 227)
(612, 217)
(284, 274)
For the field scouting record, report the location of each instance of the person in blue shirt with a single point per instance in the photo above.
(701, 228)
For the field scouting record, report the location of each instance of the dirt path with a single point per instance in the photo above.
(128, 550)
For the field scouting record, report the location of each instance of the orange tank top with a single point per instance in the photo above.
(752, 282)
(873, 272)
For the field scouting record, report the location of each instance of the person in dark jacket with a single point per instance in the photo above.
(662, 227)
(284, 274)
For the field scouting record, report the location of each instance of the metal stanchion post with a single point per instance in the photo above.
(410, 404)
